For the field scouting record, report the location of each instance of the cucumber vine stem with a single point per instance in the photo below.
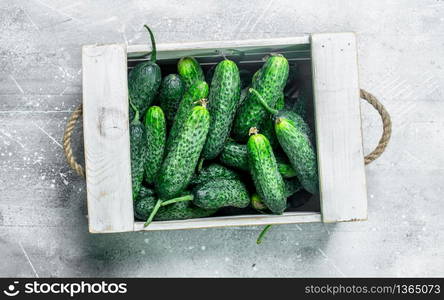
(161, 203)
(136, 113)
(262, 234)
(153, 44)
(179, 199)
(262, 101)
(200, 165)
(153, 213)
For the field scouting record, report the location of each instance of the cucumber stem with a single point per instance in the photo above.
(203, 102)
(262, 234)
(153, 213)
(153, 45)
(136, 113)
(161, 203)
(200, 165)
(256, 203)
(253, 131)
(179, 199)
(262, 101)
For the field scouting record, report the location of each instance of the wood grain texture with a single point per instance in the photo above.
(106, 138)
(338, 127)
(206, 45)
(242, 220)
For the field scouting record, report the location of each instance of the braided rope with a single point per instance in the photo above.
(386, 126)
(382, 144)
(67, 148)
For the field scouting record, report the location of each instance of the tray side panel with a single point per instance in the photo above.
(338, 127)
(228, 221)
(106, 137)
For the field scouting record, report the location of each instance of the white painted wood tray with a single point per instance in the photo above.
(336, 94)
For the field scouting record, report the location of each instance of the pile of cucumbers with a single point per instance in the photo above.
(204, 141)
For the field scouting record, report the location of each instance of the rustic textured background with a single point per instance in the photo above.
(43, 229)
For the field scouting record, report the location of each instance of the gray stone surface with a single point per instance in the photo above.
(43, 229)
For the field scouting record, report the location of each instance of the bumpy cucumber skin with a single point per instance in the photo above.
(267, 126)
(145, 192)
(155, 128)
(298, 121)
(269, 82)
(190, 71)
(280, 103)
(221, 193)
(222, 104)
(138, 155)
(263, 167)
(235, 155)
(171, 92)
(182, 211)
(199, 90)
(143, 83)
(176, 211)
(143, 206)
(292, 186)
(300, 152)
(212, 172)
(180, 162)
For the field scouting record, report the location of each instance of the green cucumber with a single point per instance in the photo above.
(267, 126)
(198, 91)
(256, 203)
(221, 193)
(298, 121)
(269, 82)
(300, 152)
(222, 104)
(144, 80)
(145, 192)
(236, 156)
(292, 186)
(264, 169)
(143, 206)
(287, 114)
(171, 92)
(155, 128)
(182, 211)
(190, 71)
(212, 172)
(285, 168)
(280, 103)
(181, 160)
(138, 152)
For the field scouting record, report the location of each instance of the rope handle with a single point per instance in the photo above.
(67, 148)
(372, 100)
